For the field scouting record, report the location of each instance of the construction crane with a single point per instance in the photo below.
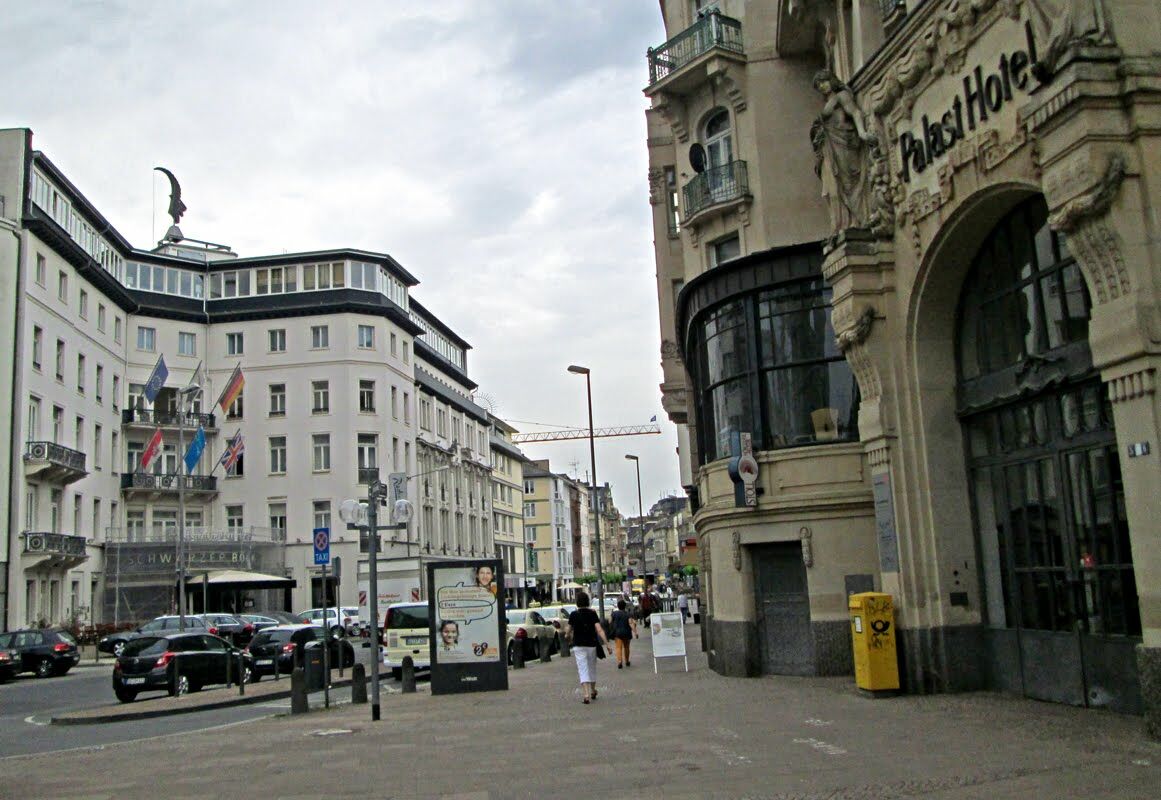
(583, 433)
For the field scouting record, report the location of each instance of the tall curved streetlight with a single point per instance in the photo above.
(575, 370)
(640, 507)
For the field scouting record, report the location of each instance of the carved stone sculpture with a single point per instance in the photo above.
(1060, 24)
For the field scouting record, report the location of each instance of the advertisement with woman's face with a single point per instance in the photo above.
(467, 628)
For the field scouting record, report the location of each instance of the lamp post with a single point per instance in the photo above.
(575, 370)
(640, 508)
(187, 393)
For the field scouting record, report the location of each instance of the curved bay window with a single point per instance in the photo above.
(765, 361)
(1049, 502)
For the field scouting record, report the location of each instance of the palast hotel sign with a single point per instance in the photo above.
(981, 97)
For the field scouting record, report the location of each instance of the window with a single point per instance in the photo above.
(724, 249)
(393, 345)
(99, 389)
(146, 338)
(406, 353)
(79, 434)
(236, 408)
(367, 337)
(114, 450)
(277, 515)
(278, 399)
(320, 337)
(96, 515)
(395, 452)
(406, 408)
(406, 465)
(41, 265)
(322, 513)
(321, 445)
(368, 450)
(81, 373)
(277, 340)
(83, 304)
(278, 455)
(60, 356)
(187, 344)
(425, 413)
(62, 286)
(440, 422)
(673, 215)
(239, 468)
(530, 509)
(367, 396)
(116, 392)
(234, 519)
(101, 317)
(234, 344)
(394, 402)
(37, 346)
(33, 418)
(117, 330)
(321, 395)
(529, 487)
(97, 440)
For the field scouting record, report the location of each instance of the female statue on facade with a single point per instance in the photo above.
(842, 154)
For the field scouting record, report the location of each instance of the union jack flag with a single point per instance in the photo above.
(234, 449)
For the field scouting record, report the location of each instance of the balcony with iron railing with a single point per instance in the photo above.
(154, 418)
(719, 188)
(148, 482)
(167, 534)
(57, 549)
(714, 32)
(54, 463)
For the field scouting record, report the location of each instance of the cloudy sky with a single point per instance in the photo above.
(495, 148)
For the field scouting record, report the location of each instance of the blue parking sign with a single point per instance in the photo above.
(322, 546)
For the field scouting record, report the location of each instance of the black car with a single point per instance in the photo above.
(283, 646)
(46, 651)
(231, 628)
(9, 665)
(115, 642)
(176, 663)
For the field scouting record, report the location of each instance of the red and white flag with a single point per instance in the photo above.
(151, 449)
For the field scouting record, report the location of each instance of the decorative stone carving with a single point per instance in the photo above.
(656, 186)
(673, 112)
(805, 536)
(1096, 201)
(1094, 243)
(736, 549)
(1060, 25)
(670, 350)
(858, 332)
(1133, 386)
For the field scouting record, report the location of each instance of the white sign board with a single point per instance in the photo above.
(668, 632)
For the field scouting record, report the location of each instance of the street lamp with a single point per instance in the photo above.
(640, 507)
(575, 370)
(188, 393)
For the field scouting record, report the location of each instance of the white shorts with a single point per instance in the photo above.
(586, 663)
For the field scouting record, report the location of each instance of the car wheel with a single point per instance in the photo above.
(194, 686)
(44, 668)
(118, 649)
(511, 653)
(179, 687)
(252, 676)
(126, 695)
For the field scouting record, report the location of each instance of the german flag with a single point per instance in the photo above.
(232, 389)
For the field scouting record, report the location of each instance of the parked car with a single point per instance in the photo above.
(405, 633)
(260, 621)
(9, 664)
(281, 647)
(557, 617)
(231, 628)
(176, 663)
(114, 643)
(339, 618)
(45, 651)
(529, 630)
(283, 617)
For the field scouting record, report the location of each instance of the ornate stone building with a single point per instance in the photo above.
(976, 215)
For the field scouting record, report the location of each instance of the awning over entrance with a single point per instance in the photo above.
(239, 579)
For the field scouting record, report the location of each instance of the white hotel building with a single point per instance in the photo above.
(344, 375)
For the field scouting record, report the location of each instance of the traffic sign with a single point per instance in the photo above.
(322, 545)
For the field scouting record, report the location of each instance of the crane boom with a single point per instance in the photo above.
(583, 433)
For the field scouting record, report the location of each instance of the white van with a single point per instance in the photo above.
(406, 632)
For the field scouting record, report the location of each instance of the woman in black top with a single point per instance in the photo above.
(622, 626)
(587, 636)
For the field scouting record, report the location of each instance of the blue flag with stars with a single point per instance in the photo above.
(156, 379)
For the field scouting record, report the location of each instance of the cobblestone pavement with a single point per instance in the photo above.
(670, 735)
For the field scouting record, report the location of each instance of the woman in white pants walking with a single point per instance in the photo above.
(587, 637)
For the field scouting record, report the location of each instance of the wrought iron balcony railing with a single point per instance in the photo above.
(167, 534)
(719, 184)
(56, 454)
(168, 482)
(712, 30)
(60, 544)
(143, 416)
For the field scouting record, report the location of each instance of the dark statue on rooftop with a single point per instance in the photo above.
(176, 207)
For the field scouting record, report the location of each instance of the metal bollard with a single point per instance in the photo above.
(408, 677)
(241, 674)
(545, 651)
(358, 684)
(565, 649)
(518, 656)
(229, 670)
(298, 700)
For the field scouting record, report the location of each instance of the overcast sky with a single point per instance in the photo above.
(495, 148)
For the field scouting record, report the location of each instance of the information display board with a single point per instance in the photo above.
(467, 626)
(668, 631)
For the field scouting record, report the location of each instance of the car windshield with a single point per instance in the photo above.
(66, 637)
(517, 617)
(262, 637)
(407, 617)
(146, 646)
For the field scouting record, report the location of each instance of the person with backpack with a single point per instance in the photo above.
(623, 628)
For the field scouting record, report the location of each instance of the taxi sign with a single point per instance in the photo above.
(322, 546)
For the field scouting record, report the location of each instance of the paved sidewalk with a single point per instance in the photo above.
(672, 735)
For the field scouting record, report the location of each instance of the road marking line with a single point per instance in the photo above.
(223, 726)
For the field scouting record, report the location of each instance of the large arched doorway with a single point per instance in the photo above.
(1057, 572)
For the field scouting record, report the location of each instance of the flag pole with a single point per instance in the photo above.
(181, 511)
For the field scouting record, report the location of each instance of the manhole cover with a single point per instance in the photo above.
(330, 732)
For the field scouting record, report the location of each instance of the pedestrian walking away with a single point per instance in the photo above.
(587, 637)
(683, 607)
(623, 629)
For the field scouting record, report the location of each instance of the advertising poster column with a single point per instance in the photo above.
(467, 626)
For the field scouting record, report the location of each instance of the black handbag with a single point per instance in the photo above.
(600, 651)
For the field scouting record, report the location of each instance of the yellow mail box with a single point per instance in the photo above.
(873, 637)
